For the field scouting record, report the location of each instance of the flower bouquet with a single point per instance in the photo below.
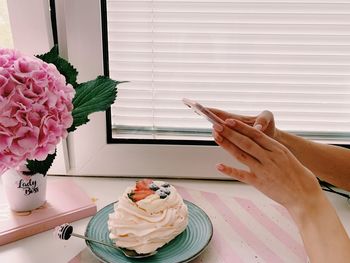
(40, 103)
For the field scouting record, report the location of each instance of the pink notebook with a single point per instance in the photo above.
(66, 202)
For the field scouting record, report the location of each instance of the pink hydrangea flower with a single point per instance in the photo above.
(35, 108)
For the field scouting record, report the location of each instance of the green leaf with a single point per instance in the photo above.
(62, 65)
(92, 96)
(41, 167)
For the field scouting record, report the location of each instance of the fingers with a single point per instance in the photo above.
(240, 140)
(235, 151)
(260, 122)
(254, 134)
(240, 175)
(263, 120)
(225, 115)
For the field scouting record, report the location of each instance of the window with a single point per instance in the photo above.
(89, 153)
(289, 57)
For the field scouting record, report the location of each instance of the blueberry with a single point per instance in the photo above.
(161, 193)
(153, 187)
(166, 190)
(165, 185)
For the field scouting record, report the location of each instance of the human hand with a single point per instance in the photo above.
(264, 121)
(274, 170)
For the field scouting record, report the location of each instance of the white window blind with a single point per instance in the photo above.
(290, 57)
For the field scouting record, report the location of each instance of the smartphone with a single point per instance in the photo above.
(201, 110)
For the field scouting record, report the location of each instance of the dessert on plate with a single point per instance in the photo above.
(147, 216)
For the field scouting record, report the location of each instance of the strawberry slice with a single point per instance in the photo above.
(141, 195)
(138, 195)
(143, 184)
(141, 190)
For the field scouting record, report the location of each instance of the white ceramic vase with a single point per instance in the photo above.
(24, 193)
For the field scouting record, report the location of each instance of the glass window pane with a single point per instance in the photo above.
(243, 57)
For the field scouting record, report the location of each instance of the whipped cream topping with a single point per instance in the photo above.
(148, 224)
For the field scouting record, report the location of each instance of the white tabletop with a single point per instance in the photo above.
(44, 248)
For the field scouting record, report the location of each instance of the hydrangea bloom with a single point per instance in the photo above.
(35, 108)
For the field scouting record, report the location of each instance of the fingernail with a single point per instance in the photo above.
(220, 167)
(218, 127)
(258, 127)
(231, 123)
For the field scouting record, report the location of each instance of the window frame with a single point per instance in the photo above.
(329, 137)
(91, 149)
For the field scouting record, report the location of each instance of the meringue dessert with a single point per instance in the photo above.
(147, 216)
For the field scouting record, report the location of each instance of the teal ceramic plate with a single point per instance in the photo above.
(184, 248)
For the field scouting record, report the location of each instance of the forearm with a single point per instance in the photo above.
(277, 173)
(329, 163)
(324, 237)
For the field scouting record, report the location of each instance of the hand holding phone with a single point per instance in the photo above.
(201, 110)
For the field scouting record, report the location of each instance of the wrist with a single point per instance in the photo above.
(310, 208)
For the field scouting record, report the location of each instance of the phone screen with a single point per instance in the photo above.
(201, 110)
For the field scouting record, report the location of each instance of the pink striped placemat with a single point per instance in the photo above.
(245, 231)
